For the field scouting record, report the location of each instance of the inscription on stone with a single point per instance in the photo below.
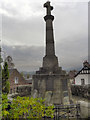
(65, 93)
(64, 85)
(49, 84)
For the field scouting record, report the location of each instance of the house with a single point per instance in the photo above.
(83, 76)
(15, 77)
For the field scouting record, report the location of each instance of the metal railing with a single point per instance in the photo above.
(66, 112)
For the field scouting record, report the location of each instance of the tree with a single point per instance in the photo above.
(1, 60)
(0, 82)
(28, 76)
(22, 74)
(5, 77)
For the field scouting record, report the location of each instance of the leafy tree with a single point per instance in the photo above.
(5, 77)
(0, 83)
(1, 60)
(22, 74)
(28, 76)
(0, 75)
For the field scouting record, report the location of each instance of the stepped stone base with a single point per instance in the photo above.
(52, 87)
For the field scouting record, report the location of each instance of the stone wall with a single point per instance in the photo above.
(22, 90)
(82, 91)
(84, 109)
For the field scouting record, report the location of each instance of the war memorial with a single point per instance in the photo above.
(51, 82)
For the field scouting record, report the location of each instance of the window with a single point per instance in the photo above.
(82, 82)
(16, 80)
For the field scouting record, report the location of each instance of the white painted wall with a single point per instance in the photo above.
(78, 78)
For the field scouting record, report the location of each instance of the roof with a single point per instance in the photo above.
(11, 71)
(26, 81)
(72, 73)
(86, 67)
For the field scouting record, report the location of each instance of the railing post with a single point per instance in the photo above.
(68, 112)
(77, 111)
(57, 114)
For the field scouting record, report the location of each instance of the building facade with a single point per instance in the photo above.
(83, 76)
(16, 79)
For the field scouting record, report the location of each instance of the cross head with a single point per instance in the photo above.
(49, 8)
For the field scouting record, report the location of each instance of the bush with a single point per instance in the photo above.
(82, 91)
(25, 107)
(5, 104)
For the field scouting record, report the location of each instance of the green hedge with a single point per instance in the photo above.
(25, 107)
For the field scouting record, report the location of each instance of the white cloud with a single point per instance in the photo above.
(20, 9)
(27, 8)
(68, 22)
(24, 26)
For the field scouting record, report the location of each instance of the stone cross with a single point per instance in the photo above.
(49, 8)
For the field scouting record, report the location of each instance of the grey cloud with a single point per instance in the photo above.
(25, 57)
(71, 21)
(72, 53)
(23, 32)
(30, 58)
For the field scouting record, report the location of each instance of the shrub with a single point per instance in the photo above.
(25, 107)
(5, 104)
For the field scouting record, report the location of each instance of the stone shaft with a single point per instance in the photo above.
(50, 50)
(50, 60)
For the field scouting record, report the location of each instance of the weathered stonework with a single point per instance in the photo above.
(51, 82)
(55, 83)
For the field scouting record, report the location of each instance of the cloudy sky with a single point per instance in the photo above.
(22, 31)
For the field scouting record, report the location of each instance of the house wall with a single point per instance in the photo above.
(78, 78)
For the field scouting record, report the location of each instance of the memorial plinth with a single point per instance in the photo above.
(51, 82)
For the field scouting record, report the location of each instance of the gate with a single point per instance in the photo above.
(67, 112)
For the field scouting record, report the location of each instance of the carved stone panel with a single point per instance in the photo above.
(64, 85)
(49, 84)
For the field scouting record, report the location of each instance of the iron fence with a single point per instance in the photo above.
(66, 112)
